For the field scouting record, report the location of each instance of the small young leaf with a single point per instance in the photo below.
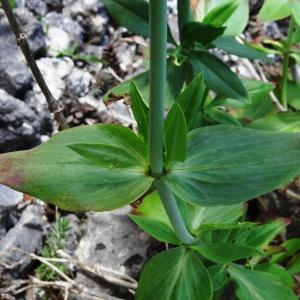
(218, 276)
(295, 8)
(223, 253)
(279, 122)
(140, 110)
(255, 285)
(175, 135)
(176, 76)
(220, 14)
(222, 117)
(294, 267)
(260, 236)
(157, 229)
(175, 274)
(217, 75)
(273, 10)
(278, 271)
(196, 32)
(54, 173)
(225, 163)
(290, 248)
(191, 99)
(214, 215)
(232, 46)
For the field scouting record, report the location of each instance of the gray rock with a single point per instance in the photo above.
(15, 77)
(54, 3)
(62, 31)
(21, 240)
(28, 24)
(20, 127)
(55, 72)
(36, 6)
(79, 82)
(9, 200)
(89, 14)
(121, 113)
(112, 241)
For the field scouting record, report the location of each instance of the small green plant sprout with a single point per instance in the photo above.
(201, 176)
(73, 52)
(55, 241)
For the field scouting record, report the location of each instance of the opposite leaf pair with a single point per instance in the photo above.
(103, 167)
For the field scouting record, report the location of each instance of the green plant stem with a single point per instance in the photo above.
(173, 212)
(158, 75)
(184, 15)
(286, 61)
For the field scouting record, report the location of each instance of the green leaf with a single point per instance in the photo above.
(220, 14)
(277, 271)
(238, 21)
(280, 122)
(293, 90)
(175, 135)
(294, 267)
(175, 274)
(176, 76)
(295, 9)
(140, 110)
(214, 215)
(232, 46)
(223, 253)
(260, 236)
(290, 248)
(273, 10)
(255, 285)
(217, 75)
(106, 155)
(296, 35)
(260, 103)
(218, 276)
(152, 208)
(54, 173)
(131, 14)
(221, 117)
(157, 229)
(228, 165)
(200, 33)
(191, 100)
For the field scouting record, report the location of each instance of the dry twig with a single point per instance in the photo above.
(54, 106)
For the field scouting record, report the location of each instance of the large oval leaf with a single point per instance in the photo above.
(175, 275)
(227, 165)
(255, 285)
(58, 175)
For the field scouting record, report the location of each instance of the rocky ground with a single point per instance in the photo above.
(82, 53)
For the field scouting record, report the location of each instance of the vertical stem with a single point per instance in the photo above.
(184, 15)
(286, 61)
(158, 74)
